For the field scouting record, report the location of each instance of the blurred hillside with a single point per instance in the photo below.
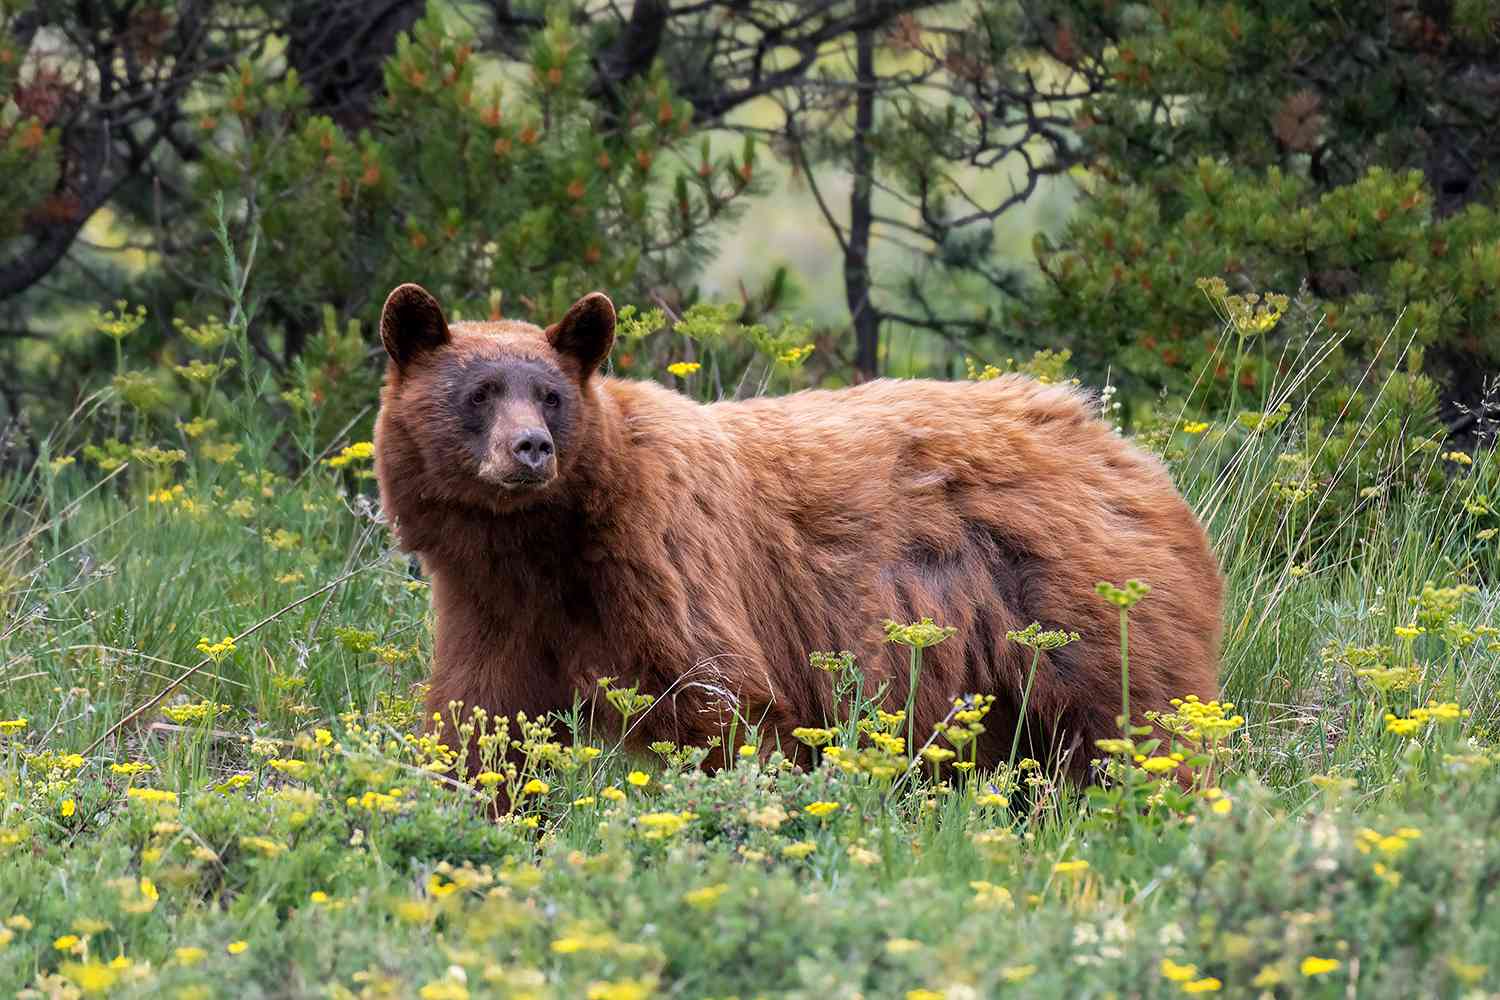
(785, 230)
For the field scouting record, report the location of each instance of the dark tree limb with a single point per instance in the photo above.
(862, 310)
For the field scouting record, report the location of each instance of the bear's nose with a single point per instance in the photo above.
(532, 448)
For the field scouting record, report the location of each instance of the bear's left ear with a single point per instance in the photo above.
(586, 333)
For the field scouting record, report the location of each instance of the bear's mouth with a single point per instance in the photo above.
(515, 478)
(524, 482)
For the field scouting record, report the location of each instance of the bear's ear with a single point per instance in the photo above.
(411, 323)
(586, 333)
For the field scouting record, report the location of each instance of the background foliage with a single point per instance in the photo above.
(1337, 154)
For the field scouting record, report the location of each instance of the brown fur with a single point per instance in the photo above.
(703, 551)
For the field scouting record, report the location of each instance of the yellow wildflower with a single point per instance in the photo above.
(794, 356)
(357, 452)
(1312, 965)
(130, 769)
(813, 737)
(1178, 973)
(92, 976)
(659, 826)
(290, 767)
(152, 796)
(232, 783)
(624, 989)
(705, 896)
(216, 651)
(1445, 712)
(988, 896)
(1402, 727)
(798, 850)
(262, 845)
(582, 940)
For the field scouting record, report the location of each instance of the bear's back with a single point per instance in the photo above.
(994, 450)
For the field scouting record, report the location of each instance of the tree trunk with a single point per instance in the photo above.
(865, 317)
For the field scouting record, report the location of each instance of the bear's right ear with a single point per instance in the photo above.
(411, 323)
(585, 333)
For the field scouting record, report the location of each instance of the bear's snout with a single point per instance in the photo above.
(519, 461)
(532, 449)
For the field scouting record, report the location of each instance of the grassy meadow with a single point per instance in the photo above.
(210, 669)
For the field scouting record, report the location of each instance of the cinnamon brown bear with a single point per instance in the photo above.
(577, 526)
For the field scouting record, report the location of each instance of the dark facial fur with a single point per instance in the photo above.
(516, 418)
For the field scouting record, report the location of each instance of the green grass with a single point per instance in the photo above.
(310, 845)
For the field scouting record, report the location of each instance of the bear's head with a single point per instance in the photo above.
(490, 415)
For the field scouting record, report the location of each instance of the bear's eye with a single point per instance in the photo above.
(478, 396)
(551, 399)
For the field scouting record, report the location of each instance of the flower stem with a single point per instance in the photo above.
(1125, 671)
(911, 701)
(1015, 743)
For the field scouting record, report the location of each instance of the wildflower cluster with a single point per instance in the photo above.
(1125, 597)
(192, 712)
(1249, 314)
(352, 455)
(1199, 723)
(1447, 713)
(918, 635)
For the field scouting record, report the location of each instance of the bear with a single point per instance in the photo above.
(576, 526)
